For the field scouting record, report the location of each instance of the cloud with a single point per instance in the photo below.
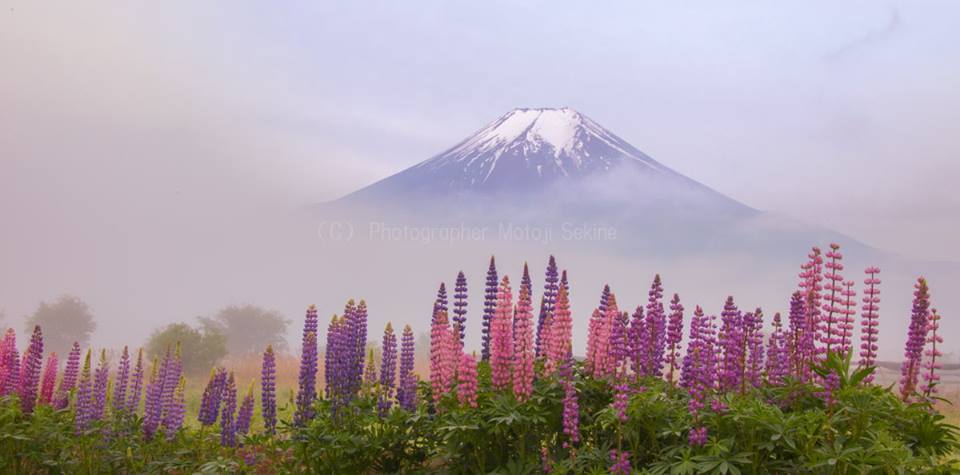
(869, 38)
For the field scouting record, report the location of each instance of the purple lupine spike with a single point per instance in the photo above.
(830, 385)
(692, 358)
(811, 276)
(11, 383)
(178, 410)
(489, 307)
(870, 321)
(370, 373)
(637, 342)
(360, 342)
(656, 328)
(753, 327)
(388, 369)
(84, 406)
(797, 338)
(548, 302)
(136, 385)
(407, 391)
(31, 367)
(697, 437)
(100, 382)
(245, 414)
(732, 347)
(307, 385)
(329, 356)
(460, 306)
(847, 315)
(618, 349)
(152, 406)
(228, 424)
(916, 339)
(620, 462)
(441, 303)
(571, 408)
(931, 365)
(170, 409)
(268, 391)
(830, 327)
(212, 397)
(69, 381)
(120, 382)
(674, 335)
(778, 363)
(49, 379)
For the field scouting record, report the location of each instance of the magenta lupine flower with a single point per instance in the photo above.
(49, 380)
(571, 409)
(388, 369)
(656, 326)
(467, 381)
(674, 335)
(604, 360)
(30, 371)
(460, 306)
(100, 382)
(268, 391)
(732, 346)
(307, 391)
(120, 382)
(523, 347)
(547, 303)
(692, 360)
(797, 337)
(620, 462)
(811, 276)
(441, 355)
(778, 363)
(501, 330)
(245, 414)
(753, 328)
(228, 424)
(637, 336)
(833, 302)
(618, 349)
(594, 327)
(172, 414)
(916, 338)
(84, 406)
(69, 381)
(407, 389)
(621, 399)
(561, 332)
(11, 381)
(152, 405)
(830, 385)
(212, 395)
(178, 409)
(932, 365)
(697, 437)
(870, 322)
(848, 314)
(489, 307)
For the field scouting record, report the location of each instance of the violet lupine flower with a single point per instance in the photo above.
(120, 382)
(30, 371)
(692, 358)
(847, 315)
(370, 372)
(778, 363)
(656, 326)
(501, 330)
(697, 437)
(178, 410)
(136, 384)
(307, 391)
(245, 414)
(916, 338)
(621, 399)
(931, 365)
(618, 348)
(523, 347)
(460, 306)
(212, 396)
(467, 381)
(571, 408)
(84, 406)
(732, 347)
(360, 340)
(604, 298)
(172, 415)
(268, 391)
(797, 337)
(329, 356)
(153, 402)
(547, 303)
(441, 355)
(753, 328)
(811, 275)
(830, 385)
(407, 390)
(228, 424)
(621, 462)
(11, 381)
(441, 303)
(561, 332)
(388, 369)
(637, 342)
(69, 381)
(674, 335)
(870, 321)
(49, 379)
(832, 307)
(100, 381)
(489, 307)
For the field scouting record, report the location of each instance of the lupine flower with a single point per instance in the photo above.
(228, 425)
(173, 421)
(136, 384)
(618, 348)
(571, 409)
(49, 379)
(442, 358)
(561, 332)
(460, 306)
(172, 412)
(11, 381)
(811, 276)
(931, 365)
(100, 382)
(212, 396)
(718, 406)
(152, 409)
(621, 398)
(31, 367)
(832, 308)
(245, 414)
(753, 330)
(407, 390)
(120, 382)
(489, 307)
(547, 303)
(82, 410)
(693, 358)
(370, 372)
(307, 385)
(523, 347)
(637, 336)
(656, 326)
(360, 342)
(830, 385)
(388, 368)
(674, 335)
(268, 391)
(847, 316)
(501, 351)
(467, 381)
(698, 437)
(778, 363)
(69, 381)
(441, 303)
(916, 338)
(594, 327)
(797, 337)
(870, 322)
(732, 346)
(621, 462)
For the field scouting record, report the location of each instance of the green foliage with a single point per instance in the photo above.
(249, 328)
(67, 320)
(200, 349)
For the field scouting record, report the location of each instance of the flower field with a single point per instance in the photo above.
(663, 387)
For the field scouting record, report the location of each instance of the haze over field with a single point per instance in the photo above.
(162, 165)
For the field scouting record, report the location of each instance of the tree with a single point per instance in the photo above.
(65, 321)
(200, 348)
(249, 328)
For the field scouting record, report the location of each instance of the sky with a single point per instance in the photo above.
(129, 128)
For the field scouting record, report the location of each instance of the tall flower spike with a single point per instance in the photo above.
(931, 365)
(388, 369)
(31, 367)
(916, 338)
(523, 347)
(656, 327)
(674, 335)
(407, 391)
(84, 406)
(120, 382)
(489, 307)
(501, 351)
(753, 327)
(100, 382)
(778, 363)
(245, 414)
(732, 346)
(136, 384)
(547, 303)
(69, 381)
(561, 332)
(212, 395)
(172, 380)
(268, 391)
(571, 408)
(833, 302)
(869, 322)
(228, 424)
(811, 276)
(847, 316)
(49, 380)
(174, 421)
(307, 385)
(467, 381)
(152, 409)
(11, 381)
(441, 355)
(460, 306)
(370, 372)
